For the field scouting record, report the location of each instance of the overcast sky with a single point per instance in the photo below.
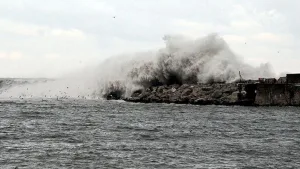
(50, 38)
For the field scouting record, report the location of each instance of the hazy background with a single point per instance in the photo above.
(51, 38)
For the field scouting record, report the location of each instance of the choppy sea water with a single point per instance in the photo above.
(103, 134)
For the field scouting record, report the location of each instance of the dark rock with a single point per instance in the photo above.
(200, 101)
(154, 89)
(160, 89)
(114, 95)
(137, 93)
(207, 88)
(184, 86)
(200, 94)
(186, 92)
(176, 86)
(216, 94)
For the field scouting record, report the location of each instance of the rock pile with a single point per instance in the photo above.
(202, 94)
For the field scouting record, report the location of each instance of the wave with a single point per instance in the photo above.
(202, 60)
(182, 61)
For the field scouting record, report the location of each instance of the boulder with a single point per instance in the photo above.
(137, 93)
(216, 94)
(231, 98)
(114, 95)
(207, 88)
(186, 92)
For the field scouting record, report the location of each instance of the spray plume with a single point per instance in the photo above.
(203, 60)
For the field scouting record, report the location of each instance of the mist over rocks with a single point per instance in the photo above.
(182, 61)
(203, 60)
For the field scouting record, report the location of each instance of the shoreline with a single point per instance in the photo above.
(227, 94)
(213, 104)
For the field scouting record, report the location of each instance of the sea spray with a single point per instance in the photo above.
(202, 60)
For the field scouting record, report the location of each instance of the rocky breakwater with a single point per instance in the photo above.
(200, 94)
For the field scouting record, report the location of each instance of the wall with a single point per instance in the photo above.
(281, 80)
(277, 94)
(295, 95)
(293, 78)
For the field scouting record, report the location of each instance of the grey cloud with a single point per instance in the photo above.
(141, 22)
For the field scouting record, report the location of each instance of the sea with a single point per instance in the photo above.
(82, 133)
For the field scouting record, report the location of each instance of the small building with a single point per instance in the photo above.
(270, 81)
(293, 78)
(281, 80)
(267, 80)
(261, 80)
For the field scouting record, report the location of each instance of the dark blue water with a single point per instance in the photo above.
(97, 134)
